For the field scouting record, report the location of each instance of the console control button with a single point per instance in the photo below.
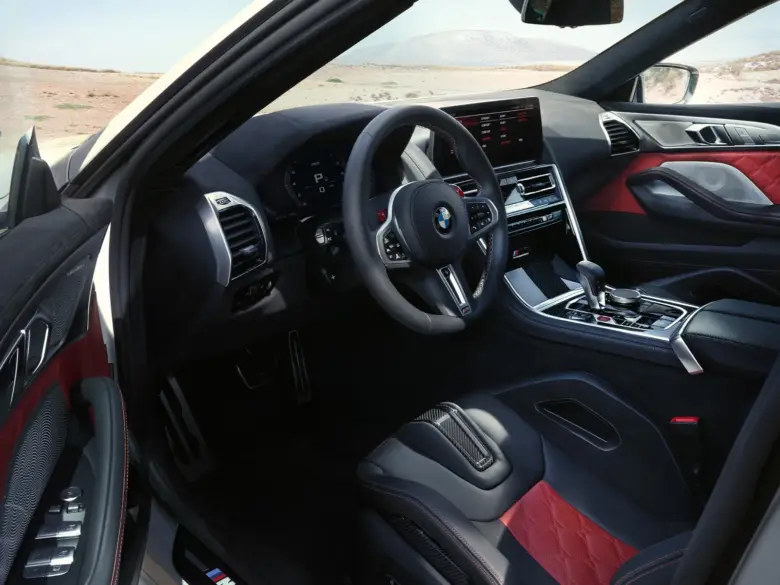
(625, 296)
(393, 248)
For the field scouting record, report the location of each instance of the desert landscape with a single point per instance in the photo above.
(67, 104)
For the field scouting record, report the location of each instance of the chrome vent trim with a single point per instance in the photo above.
(537, 184)
(237, 232)
(622, 138)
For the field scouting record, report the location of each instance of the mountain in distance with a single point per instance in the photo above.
(467, 48)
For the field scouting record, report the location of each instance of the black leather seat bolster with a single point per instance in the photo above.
(735, 337)
(393, 554)
(440, 520)
(518, 443)
(654, 565)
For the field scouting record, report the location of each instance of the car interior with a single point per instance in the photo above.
(501, 338)
(601, 286)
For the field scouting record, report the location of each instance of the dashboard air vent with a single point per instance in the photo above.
(536, 185)
(244, 238)
(622, 139)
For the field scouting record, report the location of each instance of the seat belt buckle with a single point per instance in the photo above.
(687, 444)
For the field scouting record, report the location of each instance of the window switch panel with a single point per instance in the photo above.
(35, 572)
(57, 570)
(59, 530)
(39, 558)
(62, 555)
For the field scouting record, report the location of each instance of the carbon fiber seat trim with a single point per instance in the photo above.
(459, 430)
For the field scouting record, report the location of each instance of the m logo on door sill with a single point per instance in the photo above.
(218, 576)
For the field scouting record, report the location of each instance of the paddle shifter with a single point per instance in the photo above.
(593, 280)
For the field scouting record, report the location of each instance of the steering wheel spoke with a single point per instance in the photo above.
(390, 248)
(483, 216)
(444, 289)
(454, 281)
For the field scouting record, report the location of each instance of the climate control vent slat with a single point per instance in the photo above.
(232, 223)
(244, 238)
(241, 232)
(537, 185)
(622, 138)
(237, 244)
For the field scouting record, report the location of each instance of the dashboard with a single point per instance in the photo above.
(252, 236)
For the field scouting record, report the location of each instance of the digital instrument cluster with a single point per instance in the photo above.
(315, 178)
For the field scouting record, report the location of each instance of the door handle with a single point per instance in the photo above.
(768, 215)
(710, 134)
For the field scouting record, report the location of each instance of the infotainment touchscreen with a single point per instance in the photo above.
(509, 131)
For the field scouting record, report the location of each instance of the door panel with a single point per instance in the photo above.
(761, 167)
(54, 430)
(714, 218)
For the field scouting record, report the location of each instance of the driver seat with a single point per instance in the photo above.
(473, 494)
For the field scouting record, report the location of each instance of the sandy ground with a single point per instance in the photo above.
(67, 106)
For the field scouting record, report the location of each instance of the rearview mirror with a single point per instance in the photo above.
(667, 83)
(570, 13)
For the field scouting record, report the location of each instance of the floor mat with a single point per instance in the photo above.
(284, 470)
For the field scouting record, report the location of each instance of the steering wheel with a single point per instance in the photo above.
(428, 229)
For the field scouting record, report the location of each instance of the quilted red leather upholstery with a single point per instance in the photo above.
(571, 547)
(761, 167)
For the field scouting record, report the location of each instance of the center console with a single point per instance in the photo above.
(548, 270)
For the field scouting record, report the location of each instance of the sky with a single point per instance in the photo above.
(152, 35)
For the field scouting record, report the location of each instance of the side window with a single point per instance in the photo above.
(737, 64)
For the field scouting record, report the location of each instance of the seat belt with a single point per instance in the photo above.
(733, 492)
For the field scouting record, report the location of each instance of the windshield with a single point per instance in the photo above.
(447, 47)
(69, 68)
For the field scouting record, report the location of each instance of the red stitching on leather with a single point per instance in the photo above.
(120, 538)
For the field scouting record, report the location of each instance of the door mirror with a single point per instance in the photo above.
(570, 13)
(33, 190)
(667, 83)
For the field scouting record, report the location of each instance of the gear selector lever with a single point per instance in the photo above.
(593, 280)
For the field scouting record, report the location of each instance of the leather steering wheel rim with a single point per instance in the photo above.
(413, 200)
